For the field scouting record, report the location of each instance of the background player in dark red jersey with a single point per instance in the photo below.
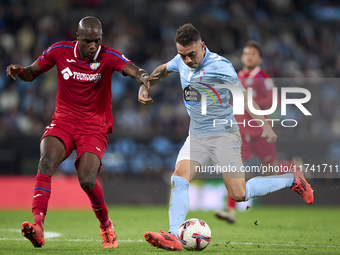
(252, 76)
(82, 119)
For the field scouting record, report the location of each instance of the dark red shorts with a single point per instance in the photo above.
(82, 138)
(258, 146)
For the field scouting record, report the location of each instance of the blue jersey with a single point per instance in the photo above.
(199, 88)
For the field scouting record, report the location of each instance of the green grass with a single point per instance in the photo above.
(280, 230)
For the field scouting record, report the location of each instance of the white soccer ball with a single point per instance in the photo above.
(194, 234)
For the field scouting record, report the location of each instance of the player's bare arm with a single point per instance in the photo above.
(140, 75)
(158, 75)
(268, 132)
(28, 73)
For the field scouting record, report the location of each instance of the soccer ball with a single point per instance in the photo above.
(194, 234)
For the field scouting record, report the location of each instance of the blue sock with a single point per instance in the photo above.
(179, 203)
(260, 186)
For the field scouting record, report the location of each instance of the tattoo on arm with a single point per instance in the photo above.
(161, 73)
(141, 90)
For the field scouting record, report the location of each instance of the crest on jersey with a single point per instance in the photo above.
(191, 95)
(94, 64)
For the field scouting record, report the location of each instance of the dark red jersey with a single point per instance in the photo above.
(84, 85)
(262, 86)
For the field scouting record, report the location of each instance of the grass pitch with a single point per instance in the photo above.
(278, 230)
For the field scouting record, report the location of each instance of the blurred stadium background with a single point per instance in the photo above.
(300, 40)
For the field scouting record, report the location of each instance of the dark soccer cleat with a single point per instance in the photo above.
(109, 238)
(227, 215)
(163, 240)
(34, 233)
(302, 187)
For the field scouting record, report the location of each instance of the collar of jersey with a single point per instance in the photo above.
(254, 72)
(76, 51)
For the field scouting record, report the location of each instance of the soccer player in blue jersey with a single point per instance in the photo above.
(211, 141)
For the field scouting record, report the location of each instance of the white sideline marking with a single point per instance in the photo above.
(284, 244)
(141, 240)
(47, 234)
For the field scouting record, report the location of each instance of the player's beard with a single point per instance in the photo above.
(193, 65)
(90, 54)
(251, 67)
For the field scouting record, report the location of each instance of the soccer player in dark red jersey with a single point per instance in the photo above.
(82, 119)
(252, 76)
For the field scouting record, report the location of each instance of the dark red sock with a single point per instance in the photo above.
(41, 195)
(99, 207)
(231, 203)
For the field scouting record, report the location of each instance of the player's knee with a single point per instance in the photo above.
(46, 165)
(178, 173)
(86, 181)
(181, 174)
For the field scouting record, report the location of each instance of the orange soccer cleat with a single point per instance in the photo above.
(302, 187)
(34, 233)
(109, 238)
(163, 240)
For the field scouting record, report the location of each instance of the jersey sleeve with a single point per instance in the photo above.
(118, 60)
(229, 74)
(172, 65)
(266, 86)
(47, 59)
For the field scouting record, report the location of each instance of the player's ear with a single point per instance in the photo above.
(77, 35)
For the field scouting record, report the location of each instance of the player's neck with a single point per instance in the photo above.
(80, 54)
(203, 56)
(247, 69)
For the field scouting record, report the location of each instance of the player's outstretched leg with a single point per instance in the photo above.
(34, 233)
(302, 187)
(163, 240)
(109, 238)
(260, 186)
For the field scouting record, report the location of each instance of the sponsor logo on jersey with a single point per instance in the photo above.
(94, 64)
(191, 94)
(67, 74)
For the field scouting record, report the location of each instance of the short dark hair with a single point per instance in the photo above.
(254, 44)
(187, 34)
